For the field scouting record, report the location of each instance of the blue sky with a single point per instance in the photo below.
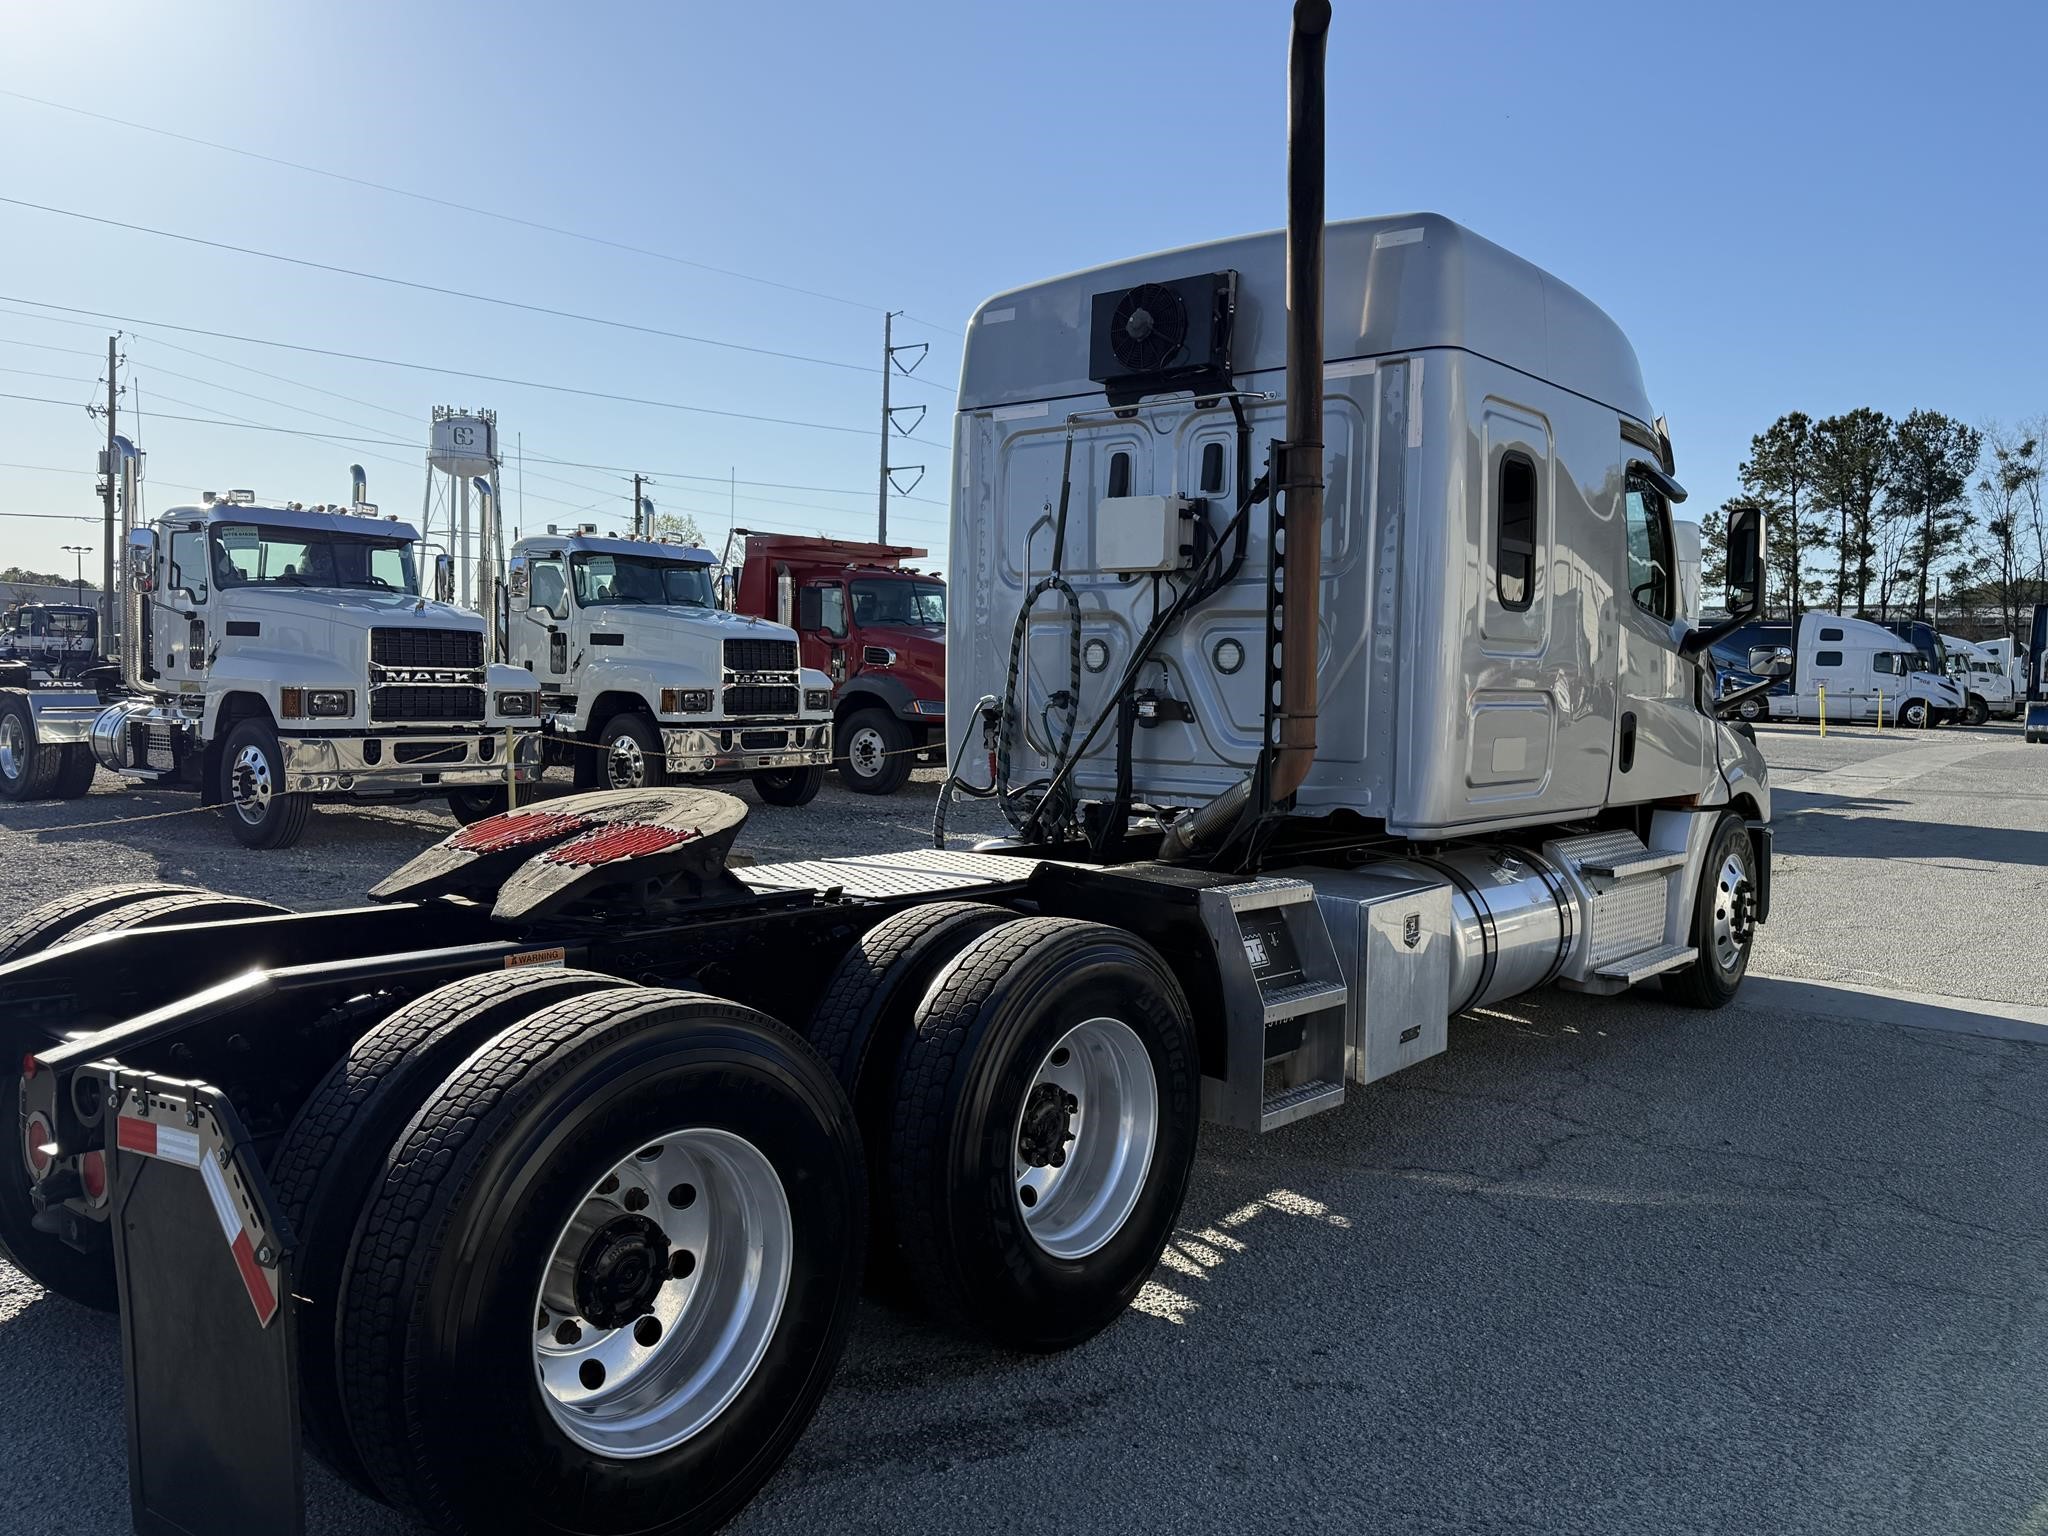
(1784, 207)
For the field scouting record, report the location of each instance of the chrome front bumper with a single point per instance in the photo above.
(472, 759)
(748, 748)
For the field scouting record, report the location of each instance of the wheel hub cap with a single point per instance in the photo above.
(626, 763)
(865, 752)
(662, 1293)
(1084, 1138)
(1734, 912)
(13, 746)
(253, 786)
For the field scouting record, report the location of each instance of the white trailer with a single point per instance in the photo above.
(646, 681)
(1311, 752)
(275, 654)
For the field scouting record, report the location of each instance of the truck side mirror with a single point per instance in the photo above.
(142, 559)
(444, 579)
(516, 578)
(1745, 561)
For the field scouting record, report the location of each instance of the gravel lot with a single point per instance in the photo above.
(1602, 1267)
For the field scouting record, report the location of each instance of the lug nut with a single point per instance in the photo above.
(1059, 1158)
(1072, 1103)
(610, 1186)
(568, 1333)
(636, 1199)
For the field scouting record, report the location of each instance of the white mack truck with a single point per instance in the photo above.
(645, 680)
(516, 1188)
(275, 655)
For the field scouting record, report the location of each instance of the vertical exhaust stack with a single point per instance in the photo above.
(1302, 477)
(1300, 471)
(358, 485)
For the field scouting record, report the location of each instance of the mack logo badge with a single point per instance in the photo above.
(418, 675)
(1411, 929)
(758, 679)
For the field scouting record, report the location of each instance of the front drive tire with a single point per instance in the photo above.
(616, 1152)
(1913, 714)
(874, 752)
(1044, 1130)
(629, 753)
(252, 793)
(789, 786)
(1976, 712)
(1723, 921)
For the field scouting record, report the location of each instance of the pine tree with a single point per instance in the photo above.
(1779, 474)
(1852, 464)
(1934, 458)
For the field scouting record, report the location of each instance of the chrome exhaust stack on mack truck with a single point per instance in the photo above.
(516, 1188)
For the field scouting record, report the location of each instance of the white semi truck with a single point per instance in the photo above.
(1987, 673)
(1853, 670)
(536, 1218)
(276, 654)
(646, 681)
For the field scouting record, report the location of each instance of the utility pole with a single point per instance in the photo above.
(109, 469)
(889, 413)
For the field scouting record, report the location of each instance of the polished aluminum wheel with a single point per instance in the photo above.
(625, 764)
(662, 1292)
(253, 784)
(14, 747)
(1734, 912)
(1084, 1138)
(867, 752)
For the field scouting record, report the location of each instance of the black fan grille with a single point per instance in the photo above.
(1149, 328)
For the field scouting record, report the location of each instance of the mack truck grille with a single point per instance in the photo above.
(427, 648)
(760, 655)
(400, 701)
(755, 699)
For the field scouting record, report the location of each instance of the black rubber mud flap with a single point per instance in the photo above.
(203, 1261)
(533, 861)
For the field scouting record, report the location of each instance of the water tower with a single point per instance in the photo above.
(462, 456)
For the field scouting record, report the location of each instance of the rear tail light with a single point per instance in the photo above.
(38, 1145)
(92, 1173)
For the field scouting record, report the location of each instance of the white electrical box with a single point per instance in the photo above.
(1142, 533)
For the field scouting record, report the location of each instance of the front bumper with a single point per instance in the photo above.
(371, 765)
(747, 748)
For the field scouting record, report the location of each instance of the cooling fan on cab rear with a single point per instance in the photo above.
(1149, 328)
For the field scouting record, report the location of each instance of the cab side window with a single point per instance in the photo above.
(832, 611)
(188, 563)
(1888, 664)
(549, 589)
(1650, 565)
(1515, 533)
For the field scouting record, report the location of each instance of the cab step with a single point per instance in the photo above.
(1627, 865)
(1296, 1103)
(1650, 962)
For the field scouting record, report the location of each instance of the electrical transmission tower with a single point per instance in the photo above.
(890, 367)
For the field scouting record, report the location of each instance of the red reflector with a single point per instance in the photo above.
(92, 1173)
(28, 1066)
(616, 842)
(515, 829)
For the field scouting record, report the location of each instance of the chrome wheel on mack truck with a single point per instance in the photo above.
(275, 656)
(518, 1184)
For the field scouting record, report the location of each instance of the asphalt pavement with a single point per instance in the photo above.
(1605, 1266)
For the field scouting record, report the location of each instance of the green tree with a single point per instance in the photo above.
(1934, 458)
(1779, 474)
(1852, 464)
(679, 526)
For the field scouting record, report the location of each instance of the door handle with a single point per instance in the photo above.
(1626, 750)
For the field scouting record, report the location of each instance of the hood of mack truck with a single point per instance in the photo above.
(687, 639)
(920, 655)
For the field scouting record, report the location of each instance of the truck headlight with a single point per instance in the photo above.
(817, 698)
(522, 704)
(686, 701)
(330, 703)
(928, 706)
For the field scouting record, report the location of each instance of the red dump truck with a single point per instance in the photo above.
(878, 627)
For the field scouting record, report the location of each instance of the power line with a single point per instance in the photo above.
(436, 288)
(45, 346)
(452, 373)
(469, 208)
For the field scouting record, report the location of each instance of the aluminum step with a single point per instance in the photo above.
(1648, 963)
(1260, 895)
(1628, 865)
(1283, 1003)
(1297, 1103)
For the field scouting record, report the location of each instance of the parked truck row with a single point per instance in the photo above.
(1325, 654)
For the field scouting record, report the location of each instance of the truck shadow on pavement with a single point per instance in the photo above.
(1842, 826)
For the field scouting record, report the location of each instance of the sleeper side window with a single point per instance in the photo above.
(1212, 469)
(1827, 658)
(1119, 474)
(1831, 634)
(1650, 565)
(1515, 533)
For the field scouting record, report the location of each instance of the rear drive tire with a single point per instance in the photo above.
(86, 1278)
(1976, 712)
(252, 793)
(859, 1028)
(629, 753)
(333, 1157)
(75, 771)
(1723, 921)
(518, 1217)
(28, 769)
(789, 786)
(873, 750)
(1056, 1057)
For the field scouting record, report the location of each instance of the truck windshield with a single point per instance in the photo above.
(602, 579)
(898, 601)
(251, 555)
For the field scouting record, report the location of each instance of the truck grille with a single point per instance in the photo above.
(760, 655)
(404, 702)
(757, 700)
(427, 648)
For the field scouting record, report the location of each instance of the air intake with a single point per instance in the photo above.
(1160, 337)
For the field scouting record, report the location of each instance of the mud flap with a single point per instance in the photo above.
(203, 1261)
